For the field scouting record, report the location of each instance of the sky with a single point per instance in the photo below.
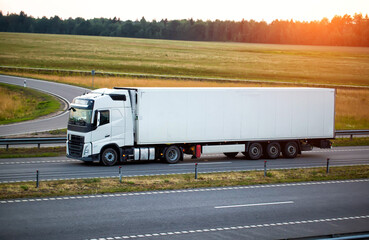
(267, 10)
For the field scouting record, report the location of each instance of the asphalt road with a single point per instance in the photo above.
(22, 169)
(64, 91)
(249, 212)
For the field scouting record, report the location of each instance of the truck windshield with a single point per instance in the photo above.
(80, 116)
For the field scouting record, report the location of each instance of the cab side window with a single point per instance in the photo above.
(104, 117)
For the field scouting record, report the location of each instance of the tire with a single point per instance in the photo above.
(172, 154)
(290, 150)
(231, 154)
(255, 151)
(273, 150)
(109, 157)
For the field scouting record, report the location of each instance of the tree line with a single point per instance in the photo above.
(339, 31)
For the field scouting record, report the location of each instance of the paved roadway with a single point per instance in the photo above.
(64, 91)
(12, 170)
(276, 211)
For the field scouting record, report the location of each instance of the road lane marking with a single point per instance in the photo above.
(36, 162)
(233, 228)
(199, 164)
(85, 197)
(255, 204)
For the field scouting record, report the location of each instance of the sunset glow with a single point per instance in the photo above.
(267, 10)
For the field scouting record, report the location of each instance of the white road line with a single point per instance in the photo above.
(199, 164)
(36, 162)
(235, 228)
(255, 204)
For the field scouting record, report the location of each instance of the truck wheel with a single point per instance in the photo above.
(231, 154)
(255, 151)
(273, 150)
(109, 157)
(172, 154)
(290, 150)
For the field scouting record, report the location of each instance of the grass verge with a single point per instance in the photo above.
(170, 182)
(32, 152)
(362, 141)
(21, 104)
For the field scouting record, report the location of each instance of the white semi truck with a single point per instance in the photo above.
(130, 124)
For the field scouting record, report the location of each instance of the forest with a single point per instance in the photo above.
(344, 30)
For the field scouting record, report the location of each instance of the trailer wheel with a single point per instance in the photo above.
(231, 154)
(255, 151)
(172, 155)
(273, 150)
(290, 150)
(109, 157)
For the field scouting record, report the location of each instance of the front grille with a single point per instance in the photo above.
(75, 145)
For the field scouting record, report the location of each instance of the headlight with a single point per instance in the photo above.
(87, 150)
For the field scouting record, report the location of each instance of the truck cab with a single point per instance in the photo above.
(99, 124)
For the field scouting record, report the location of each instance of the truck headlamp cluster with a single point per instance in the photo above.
(86, 151)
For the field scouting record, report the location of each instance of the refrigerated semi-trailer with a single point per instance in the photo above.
(130, 124)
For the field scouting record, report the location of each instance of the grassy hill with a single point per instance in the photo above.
(301, 64)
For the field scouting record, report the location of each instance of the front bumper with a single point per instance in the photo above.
(92, 158)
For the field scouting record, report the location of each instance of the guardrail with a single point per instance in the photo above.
(51, 140)
(26, 141)
(351, 132)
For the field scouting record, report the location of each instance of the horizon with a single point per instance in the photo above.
(180, 19)
(234, 10)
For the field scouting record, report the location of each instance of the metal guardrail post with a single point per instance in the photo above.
(37, 178)
(327, 171)
(195, 170)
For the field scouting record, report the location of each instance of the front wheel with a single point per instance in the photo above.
(172, 154)
(109, 157)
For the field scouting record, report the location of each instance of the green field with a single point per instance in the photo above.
(271, 63)
(300, 64)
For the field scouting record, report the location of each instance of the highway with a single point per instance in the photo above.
(246, 212)
(63, 91)
(14, 170)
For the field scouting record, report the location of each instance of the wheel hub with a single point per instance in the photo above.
(172, 155)
(109, 156)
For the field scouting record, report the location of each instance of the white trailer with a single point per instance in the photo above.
(154, 123)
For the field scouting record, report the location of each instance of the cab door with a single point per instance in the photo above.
(118, 126)
(102, 135)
